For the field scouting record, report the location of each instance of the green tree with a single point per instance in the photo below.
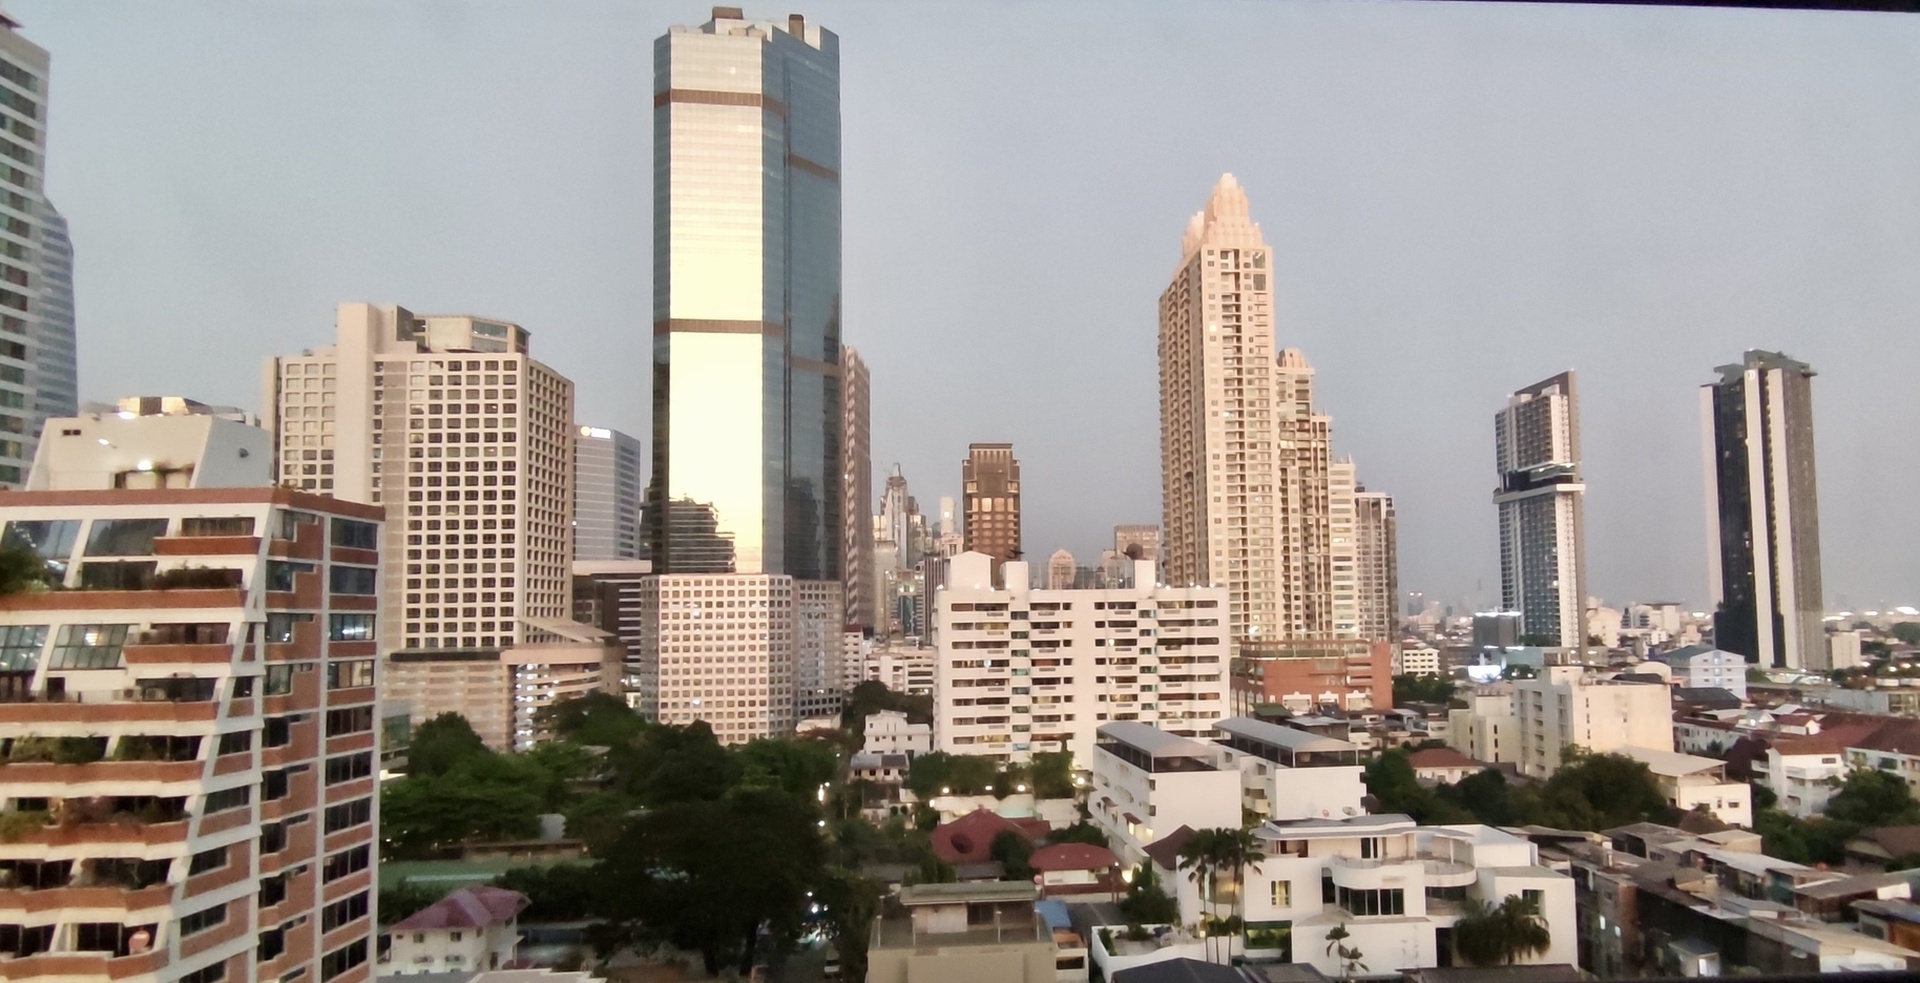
(559, 893)
(668, 764)
(850, 903)
(1052, 775)
(708, 874)
(1200, 859)
(1080, 832)
(403, 901)
(442, 744)
(1147, 903)
(1502, 934)
(798, 768)
(1907, 631)
(1350, 956)
(1487, 796)
(22, 569)
(1013, 850)
(1871, 797)
(1239, 849)
(428, 817)
(596, 719)
(1422, 689)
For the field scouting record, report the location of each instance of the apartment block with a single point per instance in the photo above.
(188, 718)
(862, 589)
(990, 496)
(1574, 705)
(725, 648)
(146, 442)
(902, 668)
(1706, 667)
(1021, 669)
(1416, 660)
(501, 692)
(1690, 781)
(450, 425)
(1376, 565)
(1303, 675)
(1148, 782)
(1541, 500)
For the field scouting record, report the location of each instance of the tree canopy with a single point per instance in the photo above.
(1589, 792)
(1421, 689)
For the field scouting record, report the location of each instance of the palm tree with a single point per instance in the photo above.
(1502, 934)
(1349, 956)
(1200, 858)
(1239, 849)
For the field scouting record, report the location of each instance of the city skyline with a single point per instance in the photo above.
(1659, 300)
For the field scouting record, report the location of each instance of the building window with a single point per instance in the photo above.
(203, 919)
(349, 767)
(88, 647)
(356, 535)
(20, 647)
(207, 860)
(280, 574)
(352, 580)
(342, 959)
(345, 862)
(124, 537)
(349, 720)
(348, 909)
(349, 627)
(1283, 894)
(208, 974)
(347, 815)
(228, 798)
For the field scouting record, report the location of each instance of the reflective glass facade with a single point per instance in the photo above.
(747, 403)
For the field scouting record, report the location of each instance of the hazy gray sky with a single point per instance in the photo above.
(1462, 199)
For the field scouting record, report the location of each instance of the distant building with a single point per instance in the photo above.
(1572, 705)
(1139, 542)
(1541, 501)
(990, 490)
(1763, 516)
(1690, 781)
(1062, 571)
(152, 442)
(27, 294)
(1344, 674)
(55, 372)
(889, 732)
(606, 595)
(1023, 669)
(1416, 660)
(978, 931)
(606, 495)
(1376, 565)
(856, 510)
(501, 691)
(1703, 667)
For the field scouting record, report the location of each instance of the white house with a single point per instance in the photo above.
(1398, 889)
(1702, 666)
(1147, 783)
(889, 732)
(473, 929)
(1803, 772)
(1689, 780)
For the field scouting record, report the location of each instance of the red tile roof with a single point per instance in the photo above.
(1442, 757)
(1165, 851)
(475, 906)
(969, 839)
(1073, 856)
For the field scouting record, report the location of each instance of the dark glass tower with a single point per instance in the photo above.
(1763, 516)
(747, 402)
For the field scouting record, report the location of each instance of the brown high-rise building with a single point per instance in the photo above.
(990, 480)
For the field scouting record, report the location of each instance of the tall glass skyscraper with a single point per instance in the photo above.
(747, 402)
(55, 373)
(1763, 517)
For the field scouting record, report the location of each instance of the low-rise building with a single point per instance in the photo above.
(1568, 705)
(1291, 774)
(959, 933)
(1437, 765)
(501, 691)
(1077, 870)
(1410, 659)
(1486, 729)
(889, 732)
(1023, 670)
(1147, 782)
(1803, 772)
(1690, 781)
(474, 928)
(1703, 667)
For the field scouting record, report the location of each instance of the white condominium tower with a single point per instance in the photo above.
(1541, 498)
(1245, 460)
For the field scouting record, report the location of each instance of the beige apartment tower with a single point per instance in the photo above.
(990, 487)
(1376, 565)
(861, 587)
(449, 424)
(1246, 461)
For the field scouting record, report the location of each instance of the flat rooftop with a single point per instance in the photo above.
(1290, 738)
(1153, 741)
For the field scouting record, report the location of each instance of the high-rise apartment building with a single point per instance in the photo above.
(1763, 516)
(23, 156)
(1343, 548)
(990, 493)
(898, 520)
(856, 504)
(54, 352)
(606, 495)
(1376, 565)
(448, 423)
(747, 370)
(191, 784)
(1022, 669)
(744, 518)
(1542, 505)
(1137, 542)
(1246, 462)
